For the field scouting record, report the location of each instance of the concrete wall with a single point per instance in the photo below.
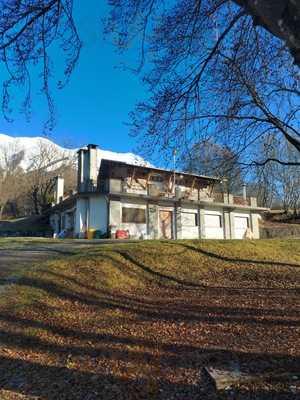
(152, 221)
(227, 224)
(98, 213)
(93, 212)
(81, 217)
(114, 216)
(255, 225)
(115, 185)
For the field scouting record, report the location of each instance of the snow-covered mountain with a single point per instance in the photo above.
(27, 152)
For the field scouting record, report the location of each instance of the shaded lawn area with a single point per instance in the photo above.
(139, 321)
(17, 254)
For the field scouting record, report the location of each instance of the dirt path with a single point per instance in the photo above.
(19, 256)
(16, 257)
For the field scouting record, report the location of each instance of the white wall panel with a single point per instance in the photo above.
(213, 224)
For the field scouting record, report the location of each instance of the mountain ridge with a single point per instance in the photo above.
(28, 149)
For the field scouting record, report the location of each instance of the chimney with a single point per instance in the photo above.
(81, 168)
(87, 168)
(92, 166)
(59, 189)
(244, 191)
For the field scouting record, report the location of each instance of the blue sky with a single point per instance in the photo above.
(94, 106)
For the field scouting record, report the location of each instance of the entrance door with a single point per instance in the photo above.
(165, 223)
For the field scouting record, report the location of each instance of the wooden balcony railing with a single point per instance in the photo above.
(117, 186)
(241, 201)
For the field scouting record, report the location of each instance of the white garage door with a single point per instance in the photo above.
(240, 226)
(213, 226)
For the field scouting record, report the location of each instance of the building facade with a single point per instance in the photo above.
(150, 203)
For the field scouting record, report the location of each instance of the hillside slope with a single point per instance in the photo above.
(141, 320)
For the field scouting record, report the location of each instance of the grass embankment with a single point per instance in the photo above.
(139, 321)
(272, 230)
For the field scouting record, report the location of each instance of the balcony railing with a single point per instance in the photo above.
(241, 201)
(158, 191)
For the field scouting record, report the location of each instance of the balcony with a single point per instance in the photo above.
(157, 191)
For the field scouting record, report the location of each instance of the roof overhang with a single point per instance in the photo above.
(161, 170)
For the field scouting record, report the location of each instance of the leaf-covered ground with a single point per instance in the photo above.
(140, 321)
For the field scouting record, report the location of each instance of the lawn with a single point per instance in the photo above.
(141, 320)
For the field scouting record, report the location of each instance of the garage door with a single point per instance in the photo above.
(241, 224)
(213, 226)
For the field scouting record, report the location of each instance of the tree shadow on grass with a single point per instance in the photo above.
(159, 275)
(238, 260)
(99, 339)
(169, 280)
(52, 382)
(62, 382)
(166, 309)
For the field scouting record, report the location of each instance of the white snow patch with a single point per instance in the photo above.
(29, 149)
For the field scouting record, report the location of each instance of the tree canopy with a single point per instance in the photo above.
(28, 29)
(211, 72)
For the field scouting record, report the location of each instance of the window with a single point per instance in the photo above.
(133, 215)
(189, 219)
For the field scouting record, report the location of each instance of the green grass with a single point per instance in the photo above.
(140, 320)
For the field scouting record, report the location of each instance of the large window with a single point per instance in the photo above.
(189, 219)
(133, 215)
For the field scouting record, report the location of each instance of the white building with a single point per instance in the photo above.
(115, 197)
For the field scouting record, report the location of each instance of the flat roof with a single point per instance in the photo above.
(211, 178)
